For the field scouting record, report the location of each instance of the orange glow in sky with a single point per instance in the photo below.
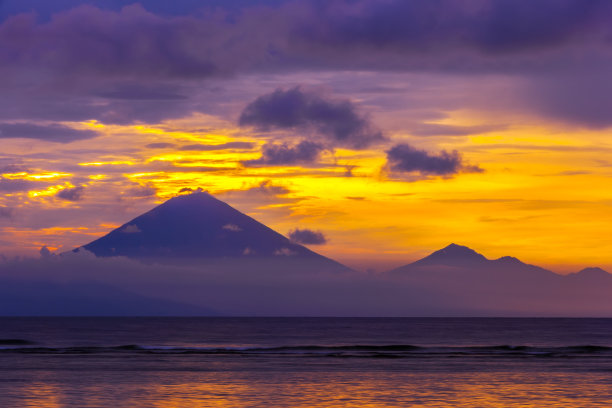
(542, 196)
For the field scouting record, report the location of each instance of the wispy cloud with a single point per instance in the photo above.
(307, 237)
(49, 133)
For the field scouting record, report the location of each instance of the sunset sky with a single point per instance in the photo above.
(392, 127)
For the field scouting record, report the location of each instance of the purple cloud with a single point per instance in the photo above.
(93, 41)
(71, 194)
(403, 158)
(280, 154)
(125, 65)
(307, 237)
(13, 185)
(49, 133)
(337, 121)
(447, 35)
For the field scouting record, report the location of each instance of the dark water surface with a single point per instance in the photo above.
(305, 362)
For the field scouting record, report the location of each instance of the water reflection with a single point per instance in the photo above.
(39, 395)
(307, 389)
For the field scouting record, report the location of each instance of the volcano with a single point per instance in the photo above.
(197, 227)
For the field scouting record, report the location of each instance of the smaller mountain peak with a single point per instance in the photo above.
(458, 250)
(593, 271)
(454, 254)
(509, 260)
(455, 246)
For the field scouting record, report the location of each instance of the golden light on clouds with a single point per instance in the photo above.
(543, 187)
(49, 191)
(35, 176)
(109, 163)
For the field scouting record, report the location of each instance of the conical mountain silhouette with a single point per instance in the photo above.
(196, 226)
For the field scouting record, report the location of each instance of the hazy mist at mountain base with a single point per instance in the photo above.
(278, 288)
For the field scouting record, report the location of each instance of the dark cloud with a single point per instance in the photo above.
(403, 158)
(435, 34)
(336, 120)
(281, 154)
(307, 237)
(12, 168)
(49, 133)
(223, 146)
(414, 26)
(344, 34)
(6, 212)
(71, 194)
(127, 64)
(90, 41)
(113, 66)
(14, 185)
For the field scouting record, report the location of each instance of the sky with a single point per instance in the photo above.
(373, 131)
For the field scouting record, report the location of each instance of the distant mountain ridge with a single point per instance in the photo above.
(592, 272)
(462, 279)
(462, 257)
(458, 256)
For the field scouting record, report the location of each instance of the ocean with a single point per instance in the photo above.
(305, 362)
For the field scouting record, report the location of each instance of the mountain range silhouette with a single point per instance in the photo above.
(195, 254)
(456, 256)
(199, 227)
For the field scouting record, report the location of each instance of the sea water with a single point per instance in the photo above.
(305, 362)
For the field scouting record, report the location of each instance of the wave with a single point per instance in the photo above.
(341, 351)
